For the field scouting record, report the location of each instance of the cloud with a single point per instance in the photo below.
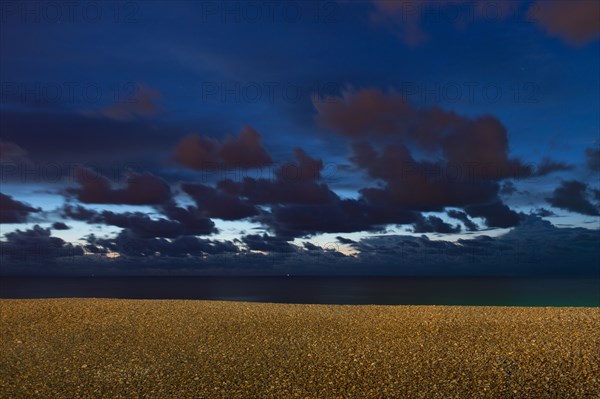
(306, 168)
(191, 218)
(294, 183)
(271, 192)
(434, 224)
(299, 204)
(508, 188)
(476, 146)
(310, 246)
(418, 185)
(130, 244)
(543, 212)
(36, 245)
(143, 226)
(483, 142)
(405, 17)
(180, 222)
(495, 214)
(548, 166)
(337, 216)
(13, 211)
(242, 152)
(267, 243)
(91, 246)
(60, 226)
(462, 159)
(372, 113)
(140, 189)
(464, 218)
(141, 104)
(576, 22)
(344, 240)
(535, 247)
(215, 203)
(572, 196)
(592, 156)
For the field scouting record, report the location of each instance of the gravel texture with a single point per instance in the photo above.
(109, 348)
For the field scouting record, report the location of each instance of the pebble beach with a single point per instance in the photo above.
(111, 348)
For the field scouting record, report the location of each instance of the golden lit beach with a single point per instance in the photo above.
(109, 348)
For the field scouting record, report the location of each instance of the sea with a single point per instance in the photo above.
(379, 290)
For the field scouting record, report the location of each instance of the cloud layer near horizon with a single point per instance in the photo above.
(535, 248)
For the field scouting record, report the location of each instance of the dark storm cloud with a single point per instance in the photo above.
(181, 221)
(139, 223)
(13, 211)
(464, 218)
(294, 183)
(300, 204)
(340, 215)
(471, 155)
(140, 189)
(484, 142)
(131, 244)
(572, 196)
(535, 247)
(191, 218)
(576, 22)
(242, 152)
(267, 243)
(495, 214)
(91, 246)
(270, 192)
(508, 188)
(36, 245)
(310, 246)
(344, 240)
(60, 226)
(548, 166)
(543, 212)
(418, 185)
(143, 226)
(80, 213)
(592, 156)
(215, 203)
(370, 112)
(478, 145)
(306, 168)
(434, 224)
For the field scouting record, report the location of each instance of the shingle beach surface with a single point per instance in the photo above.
(109, 348)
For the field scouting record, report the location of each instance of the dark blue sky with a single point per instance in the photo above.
(169, 130)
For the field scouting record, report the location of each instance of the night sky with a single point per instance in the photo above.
(303, 137)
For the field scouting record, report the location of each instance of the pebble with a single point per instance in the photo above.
(108, 348)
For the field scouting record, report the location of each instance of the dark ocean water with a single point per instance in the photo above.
(320, 290)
